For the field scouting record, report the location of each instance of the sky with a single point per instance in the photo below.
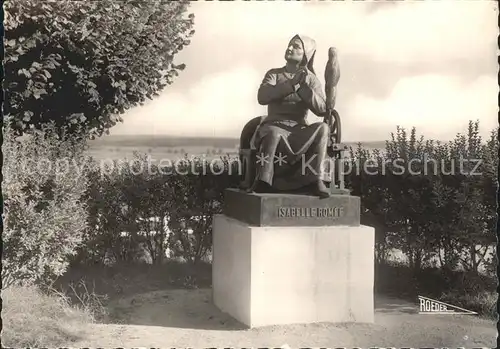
(428, 64)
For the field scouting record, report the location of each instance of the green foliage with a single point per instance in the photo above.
(431, 200)
(122, 199)
(482, 302)
(196, 198)
(86, 62)
(468, 290)
(44, 179)
(138, 205)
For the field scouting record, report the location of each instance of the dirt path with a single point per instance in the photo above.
(186, 318)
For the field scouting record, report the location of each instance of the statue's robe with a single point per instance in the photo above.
(284, 133)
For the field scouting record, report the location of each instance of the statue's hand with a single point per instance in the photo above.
(299, 76)
(328, 119)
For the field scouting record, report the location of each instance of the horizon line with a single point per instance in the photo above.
(206, 136)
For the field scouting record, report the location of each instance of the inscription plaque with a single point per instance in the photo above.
(320, 212)
(291, 209)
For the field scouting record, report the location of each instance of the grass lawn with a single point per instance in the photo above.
(35, 319)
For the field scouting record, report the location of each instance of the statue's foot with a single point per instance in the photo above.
(321, 190)
(262, 187)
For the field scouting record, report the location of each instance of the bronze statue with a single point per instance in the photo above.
(280, 151)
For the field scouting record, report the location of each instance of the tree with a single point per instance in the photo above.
(478, 182)
(411, 196)
(87, 62)
(446, 207)
(365, 178)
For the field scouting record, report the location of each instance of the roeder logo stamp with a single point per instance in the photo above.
(431, 306)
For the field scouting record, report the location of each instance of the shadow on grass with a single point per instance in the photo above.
(393, 305)
(173, 294)
(188, 309)
(123, 280)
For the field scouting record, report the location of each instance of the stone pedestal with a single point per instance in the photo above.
(301, 260)
(280, 210)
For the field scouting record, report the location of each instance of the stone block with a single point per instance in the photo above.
(291, 209)
(265, 275)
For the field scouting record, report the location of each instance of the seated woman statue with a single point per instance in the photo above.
(290, 153)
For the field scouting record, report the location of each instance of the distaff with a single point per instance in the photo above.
(332, 76)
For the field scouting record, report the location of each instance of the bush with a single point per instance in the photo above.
(484, 303)
(34, 319)
(160, 212)
(121, 202)
(44, 217)
(196, 199)
(468, 290)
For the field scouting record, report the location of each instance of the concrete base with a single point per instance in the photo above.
(284, 275)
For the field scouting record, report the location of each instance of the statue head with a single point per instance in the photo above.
(301, 49)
